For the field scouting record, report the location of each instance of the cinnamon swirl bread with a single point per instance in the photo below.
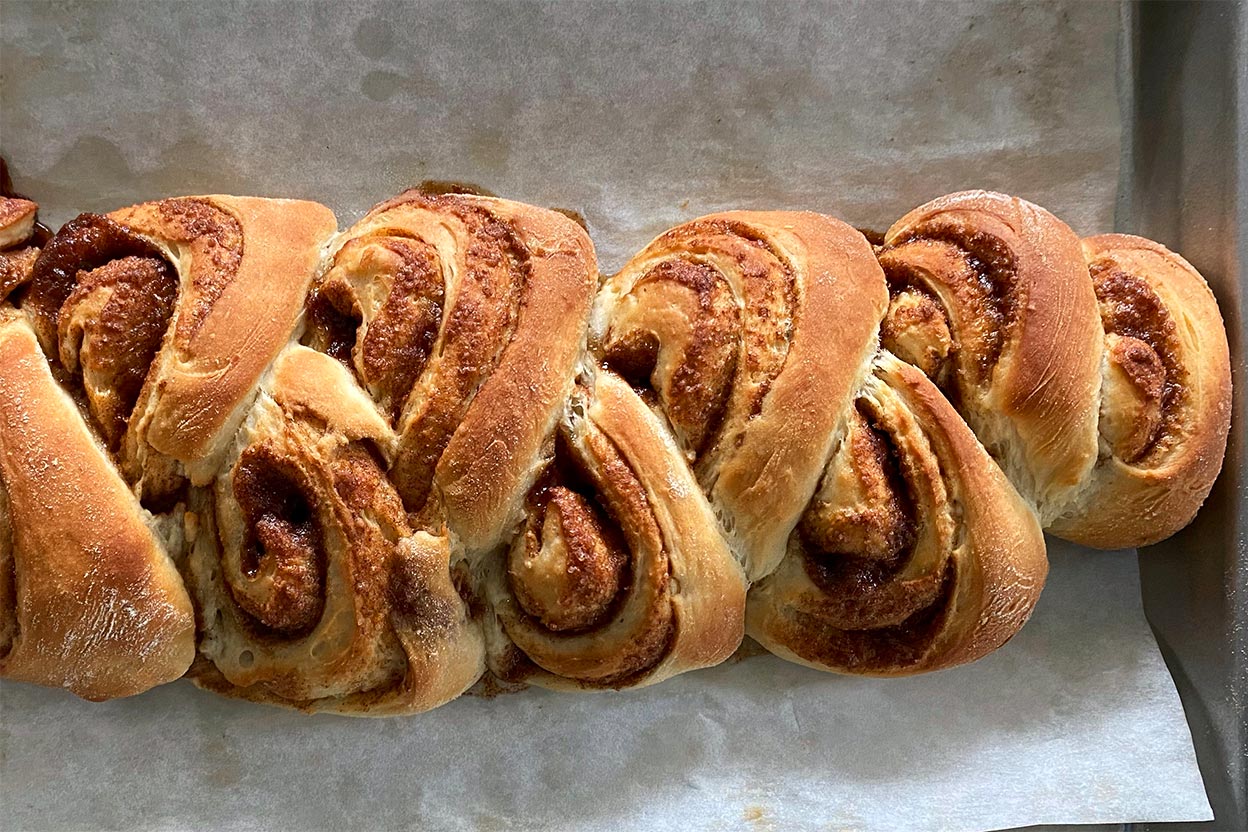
(355, 471)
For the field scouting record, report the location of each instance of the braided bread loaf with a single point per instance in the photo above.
(353, 471)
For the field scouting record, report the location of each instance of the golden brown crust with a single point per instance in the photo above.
(965, 580)
(483, 474)
(754, 334)
(1098, 378)
(1163, 436)
(448, 330)
(314, 385)
(497, 353)
(17, 221)
(798, 297)
(98, 606)
(1010, 278)
(239, 259)
(439, 473)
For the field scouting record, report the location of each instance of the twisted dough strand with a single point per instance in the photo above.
(676, 599)
(961, 563)
(1013, 333)
(745, 326)
(314, 588)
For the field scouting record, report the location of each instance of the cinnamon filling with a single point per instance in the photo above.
(571, 567)
(382, 310)
(769, 304)
(689, 309)
(977, 273)
(332, 322)
(707, 329)
(916, 330)
(378, 311)
(1144, 386)
(879, 649)
(359, 480)
(83, 244)
(590, 561)
(283, 555)
(989, 257)
(867, 513)
(215, 240)
(478, 326)
(111, 328)
(400, 338)
(101, 299)
(859, 536)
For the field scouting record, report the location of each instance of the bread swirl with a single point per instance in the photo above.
(1165, 407)
(745, 326)
(1097, 374)
(619, 577)
(915, 553)
(450, 326)
(313, 588)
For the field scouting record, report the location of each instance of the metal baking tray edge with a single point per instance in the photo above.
(1185, 183)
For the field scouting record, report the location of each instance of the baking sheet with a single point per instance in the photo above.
(638, 116)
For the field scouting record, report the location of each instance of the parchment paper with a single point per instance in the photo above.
(638, 116)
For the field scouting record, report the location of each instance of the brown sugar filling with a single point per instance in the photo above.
(102, 297)
(590, 568)
(110, 329)
(1131, 309)
(83, 244)
(477, 328)
(398, 341)
(696, 395)
(283, 553)
(979, 271)
(856, 537)
(414, 338)
(573, 569)
(730, 347)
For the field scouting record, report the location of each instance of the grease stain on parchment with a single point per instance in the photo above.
(373, 38)
(382, 85)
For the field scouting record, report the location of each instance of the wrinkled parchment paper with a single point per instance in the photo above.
(638, 116)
